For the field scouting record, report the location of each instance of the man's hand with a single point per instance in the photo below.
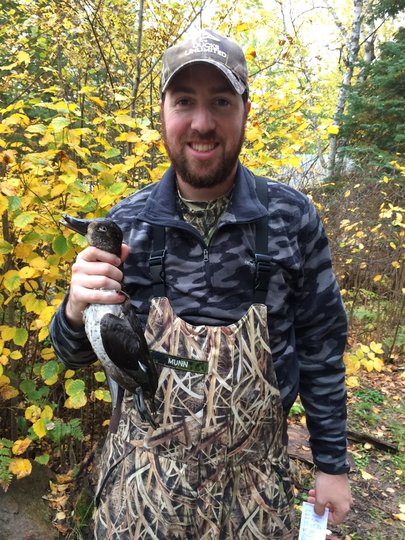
(332, 491)
(92, 271)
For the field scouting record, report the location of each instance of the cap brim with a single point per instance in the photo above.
(237, 84)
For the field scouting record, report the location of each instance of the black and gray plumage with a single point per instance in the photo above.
(114, 330)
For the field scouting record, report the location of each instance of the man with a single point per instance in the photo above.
(236, 334)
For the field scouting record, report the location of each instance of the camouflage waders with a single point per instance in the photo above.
(216, 468)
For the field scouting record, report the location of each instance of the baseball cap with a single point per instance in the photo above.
(209, 47)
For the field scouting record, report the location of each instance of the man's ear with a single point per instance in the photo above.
(248, 106)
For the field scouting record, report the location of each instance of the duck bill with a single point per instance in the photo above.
(76, 224)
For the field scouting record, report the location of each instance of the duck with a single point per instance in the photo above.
(114, 330)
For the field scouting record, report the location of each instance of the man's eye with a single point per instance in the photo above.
(222, 102)
(183, 102)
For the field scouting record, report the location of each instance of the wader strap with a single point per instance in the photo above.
(262, 260)
(114, 465)
(157, 261)
(116, 414)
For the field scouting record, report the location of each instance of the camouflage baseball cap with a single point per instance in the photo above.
(210, 47)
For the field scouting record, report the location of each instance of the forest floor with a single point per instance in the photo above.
(376, 414)
(376, 410)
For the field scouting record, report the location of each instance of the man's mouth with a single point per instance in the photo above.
(202, 147)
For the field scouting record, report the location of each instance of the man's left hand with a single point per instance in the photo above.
(331, 491)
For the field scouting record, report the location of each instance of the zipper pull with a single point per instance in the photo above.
(206, 259)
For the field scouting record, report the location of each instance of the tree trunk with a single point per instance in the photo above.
(352, 55)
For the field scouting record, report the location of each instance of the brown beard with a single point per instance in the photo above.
(210, 179)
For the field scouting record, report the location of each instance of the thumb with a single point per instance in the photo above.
(319, 508)
(124, 252)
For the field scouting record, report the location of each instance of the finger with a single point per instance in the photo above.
(96, 268)
(338, 515)
(92, 254)
(96, 296)
(319, 508)
(124, 252)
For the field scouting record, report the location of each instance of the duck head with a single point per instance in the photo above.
(102, 233)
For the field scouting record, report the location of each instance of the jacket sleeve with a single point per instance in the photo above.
(321, 332)
(71, 346)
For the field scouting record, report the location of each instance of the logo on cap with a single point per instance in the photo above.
(204, 44)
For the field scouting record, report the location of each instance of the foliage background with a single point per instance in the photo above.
(79, 130)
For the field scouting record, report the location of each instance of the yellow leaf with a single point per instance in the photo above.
(97, 101)
(366, 476)
(8, 392)
(43, 333)
(27, 272)
(39, 262)
(47, 413)
(23, 251)
(32, 413)
(400, 517)
(352, 382)
(377, 278)
(20, 446)
(126, 120)
(7, 333)
(69, 373)
(58, 190)
(23, 57)
(11, 280)
(76, 402)
(333, 130)
(4, 380)
(65, 478)
(347, 193)
(376, 347)
(396, 264)
(20, 467)
(250, 54)
(242, 27)
(47, 314)
(39, 428)
(48, 353)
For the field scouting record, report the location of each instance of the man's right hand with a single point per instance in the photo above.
(96, 279)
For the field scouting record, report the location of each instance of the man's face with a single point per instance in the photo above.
(203, 123)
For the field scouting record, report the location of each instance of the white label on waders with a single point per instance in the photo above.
(313, 527)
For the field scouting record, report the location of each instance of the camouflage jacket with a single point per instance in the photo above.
(213, 284)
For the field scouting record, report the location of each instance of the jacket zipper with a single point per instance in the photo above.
(206, 261)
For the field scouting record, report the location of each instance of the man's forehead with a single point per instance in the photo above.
(191, 77)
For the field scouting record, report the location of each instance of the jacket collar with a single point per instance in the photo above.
(244, 206)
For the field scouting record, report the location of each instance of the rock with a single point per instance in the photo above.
(24, 515)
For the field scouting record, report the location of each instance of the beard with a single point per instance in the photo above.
(213, 175)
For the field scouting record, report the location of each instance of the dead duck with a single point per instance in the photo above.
(114, 330)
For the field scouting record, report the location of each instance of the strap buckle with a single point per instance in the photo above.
(156, 265)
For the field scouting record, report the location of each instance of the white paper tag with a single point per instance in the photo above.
(313, 527)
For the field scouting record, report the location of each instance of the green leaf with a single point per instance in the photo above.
(50, 371)
(36, 128)
(20, 337)
(100, 376)
(74, 387)
(117, 188)
(5, 247)
(43, 459)
(112, 152)
(14, 203)
(59, 245)
(27, 386)
(24, 219)
(59, 123)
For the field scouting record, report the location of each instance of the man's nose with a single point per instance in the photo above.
(203, 120)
